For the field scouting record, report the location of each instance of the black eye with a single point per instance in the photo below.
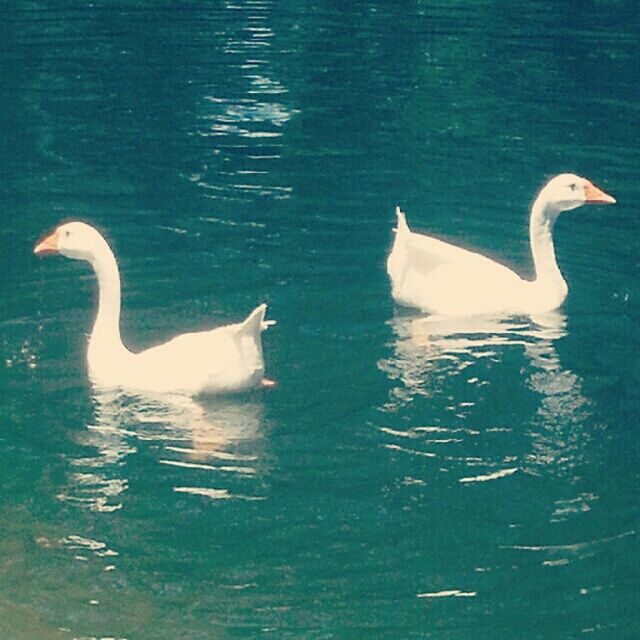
(573, 186)
(67, 234)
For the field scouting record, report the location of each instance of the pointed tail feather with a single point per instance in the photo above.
(256, 322)
(397, 260)
(402, 222)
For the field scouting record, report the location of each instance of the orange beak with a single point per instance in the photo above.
(48, 245)
(595, 195)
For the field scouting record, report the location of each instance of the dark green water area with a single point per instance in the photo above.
(406, 479)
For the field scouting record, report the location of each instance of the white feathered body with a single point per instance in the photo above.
(438, 277)
(222, 360)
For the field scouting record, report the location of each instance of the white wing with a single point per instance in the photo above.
(225, 359)
(437, 276)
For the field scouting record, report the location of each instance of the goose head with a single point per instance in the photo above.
(569, 191)
(75, 240)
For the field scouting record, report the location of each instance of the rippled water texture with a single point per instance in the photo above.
(410, 477)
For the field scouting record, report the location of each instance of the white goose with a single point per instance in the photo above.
(444, 279)
(222, 360)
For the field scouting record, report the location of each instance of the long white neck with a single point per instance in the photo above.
(106, 329)
(543, 218)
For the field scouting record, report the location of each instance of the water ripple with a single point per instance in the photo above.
(219, 438)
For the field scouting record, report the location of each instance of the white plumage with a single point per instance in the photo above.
(222, 360)
(441, 278)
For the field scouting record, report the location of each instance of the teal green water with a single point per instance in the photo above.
(407, 479)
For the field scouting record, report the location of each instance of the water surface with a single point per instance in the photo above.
(409, 477)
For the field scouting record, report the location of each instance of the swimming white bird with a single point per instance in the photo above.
(222, 360)
(444, 279)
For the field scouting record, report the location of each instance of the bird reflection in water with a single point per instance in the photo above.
(216, 440)
(433, 357)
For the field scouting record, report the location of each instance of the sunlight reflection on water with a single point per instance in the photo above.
(221, 438)
(430, 352)
(247, 124)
